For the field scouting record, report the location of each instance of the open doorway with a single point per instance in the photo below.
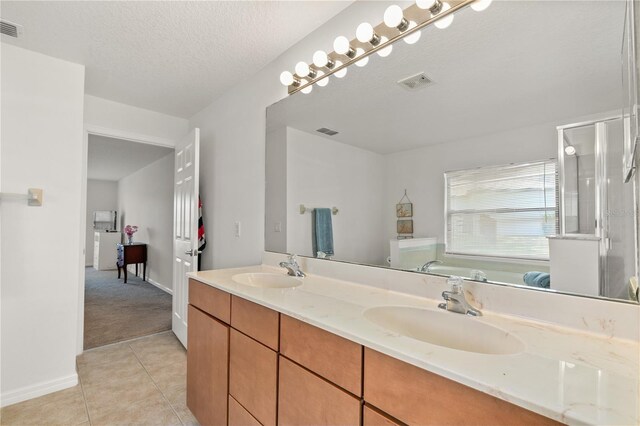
(128, 183)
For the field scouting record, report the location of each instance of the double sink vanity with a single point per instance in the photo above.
(266, 347)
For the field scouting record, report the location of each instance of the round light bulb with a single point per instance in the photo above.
(425, 4)
(341, 45)
(570, 150)
(342, 72)
(364, 33)
(320, 59)
(393, 16)
(324, 80)
(286, 78)
(481, 5)
(412, 38)
(302, 69)
(364, 61)
(387, 50)
(444, 22)
(307, 89)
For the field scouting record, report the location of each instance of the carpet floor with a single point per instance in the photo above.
(114, 311)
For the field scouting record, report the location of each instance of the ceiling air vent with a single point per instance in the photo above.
(415, 82)
(10, 29)
(327, 131)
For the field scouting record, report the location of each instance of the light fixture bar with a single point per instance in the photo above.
(455, 7)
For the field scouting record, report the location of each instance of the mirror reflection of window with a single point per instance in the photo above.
(502, 211)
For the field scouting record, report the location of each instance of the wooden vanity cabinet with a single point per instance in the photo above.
(330, 356)
(417, 396)
(306, 399)
(248, 365)
(238, 416)
(253, 377)
(207, 367)
(374, 417)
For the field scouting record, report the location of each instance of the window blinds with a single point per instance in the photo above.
(502, 211)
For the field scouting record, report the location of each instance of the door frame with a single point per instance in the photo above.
(90, 129)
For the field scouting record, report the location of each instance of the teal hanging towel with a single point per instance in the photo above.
(323, 232)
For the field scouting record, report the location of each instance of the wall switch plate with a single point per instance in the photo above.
(237, 228)
(278, 227)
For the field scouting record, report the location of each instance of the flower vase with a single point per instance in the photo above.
(130, 239)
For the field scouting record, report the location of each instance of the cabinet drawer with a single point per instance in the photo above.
(253, 377)
(372, 417)
(210, 300)
(261, 323)
(238, 416)
(416, 396)
(336, 359)
(306, 399)
(207, 368)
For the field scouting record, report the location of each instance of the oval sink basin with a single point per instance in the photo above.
(267, 280)
(447, 329)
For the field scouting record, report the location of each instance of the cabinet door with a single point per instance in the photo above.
(417, 396)
(238, 416)
(306, 399)
(253, 377)
(372, 417)
(207, 368)
(333, 357)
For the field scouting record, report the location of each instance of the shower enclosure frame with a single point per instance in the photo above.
(601, 218)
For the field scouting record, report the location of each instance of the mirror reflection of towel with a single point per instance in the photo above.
(537, 279)
(322, 232)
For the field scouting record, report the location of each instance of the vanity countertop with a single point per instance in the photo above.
(569, 375)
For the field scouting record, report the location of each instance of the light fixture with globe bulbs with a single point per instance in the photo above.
(397, 24)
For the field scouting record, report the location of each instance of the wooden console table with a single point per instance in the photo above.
(132, 254)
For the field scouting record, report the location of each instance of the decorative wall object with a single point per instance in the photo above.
(404, 213)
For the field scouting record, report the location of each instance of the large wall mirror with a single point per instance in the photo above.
(503, 157)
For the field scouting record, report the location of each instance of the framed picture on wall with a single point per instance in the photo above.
(405, 226)
(404, 210)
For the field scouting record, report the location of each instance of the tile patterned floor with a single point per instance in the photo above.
(141, 382)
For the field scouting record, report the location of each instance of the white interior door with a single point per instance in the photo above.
(185, 227)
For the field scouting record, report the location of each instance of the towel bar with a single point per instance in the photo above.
(303, 209)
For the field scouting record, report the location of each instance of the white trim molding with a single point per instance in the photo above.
(38, 389)
(132, 270)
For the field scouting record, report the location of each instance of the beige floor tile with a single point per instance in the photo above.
(112, 395)
(107, 354)
(169, 376)
(161, 357)
(163, 350)
(109, 371)
(65, 407)
(150, 411)
(177, 397)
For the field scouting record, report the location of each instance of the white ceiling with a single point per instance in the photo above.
(168, 56)
(519, 63)
(113, 159)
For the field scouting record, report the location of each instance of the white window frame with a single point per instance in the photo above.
(497, 258)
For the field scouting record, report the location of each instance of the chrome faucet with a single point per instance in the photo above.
(455, 300)
(427, 266)
(292, 266)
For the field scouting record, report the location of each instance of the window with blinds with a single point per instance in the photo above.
(502, 211)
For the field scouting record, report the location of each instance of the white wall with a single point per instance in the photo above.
(101, 195)
(145, 199)
(42, 106)
(232, 172)
(148, 125)
(325, 173)
(421, 171)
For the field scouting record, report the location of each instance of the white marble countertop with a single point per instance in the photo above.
(566, 374)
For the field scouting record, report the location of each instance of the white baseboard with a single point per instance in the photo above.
(160, 286)
(39, 389)
(132, 270)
